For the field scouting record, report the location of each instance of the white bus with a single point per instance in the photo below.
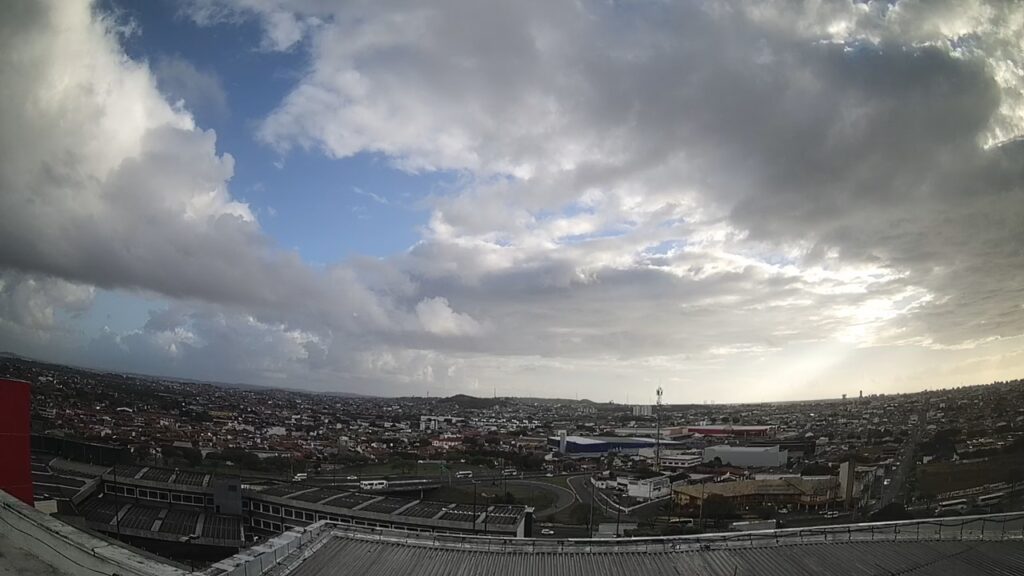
(952, 505)
(990, 499)
(464, 474)
(373, 484)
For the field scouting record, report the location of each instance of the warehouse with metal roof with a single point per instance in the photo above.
(964, 546)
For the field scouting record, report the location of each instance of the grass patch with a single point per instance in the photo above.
(940, 477)
(536, 497)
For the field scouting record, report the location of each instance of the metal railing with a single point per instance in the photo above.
(1009, 526)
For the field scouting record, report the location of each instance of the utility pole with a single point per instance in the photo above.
(657, 438)
(474, 506)
(117, 507)
(701, 516)
(593, 502)
(618, 515)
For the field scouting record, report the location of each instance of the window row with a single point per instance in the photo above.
(193, 499)
(120, 490)
(266, 525)
(268, 508)
(158, 495)
(290, 512)
(299, 515)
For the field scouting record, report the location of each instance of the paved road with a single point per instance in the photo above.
(563, 496)
(582, 487)
(896, 491)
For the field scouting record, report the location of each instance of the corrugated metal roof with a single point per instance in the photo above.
(345, 555)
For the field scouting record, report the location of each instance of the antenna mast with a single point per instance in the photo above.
(657, 438)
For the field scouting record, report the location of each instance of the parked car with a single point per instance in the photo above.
(547, 531)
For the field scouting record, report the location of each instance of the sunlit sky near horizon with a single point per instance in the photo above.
(736, 201)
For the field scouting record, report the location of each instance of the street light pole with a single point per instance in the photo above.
(474, 506)
(117, 508)
(593, 501)
(618, 515)
(657, 438)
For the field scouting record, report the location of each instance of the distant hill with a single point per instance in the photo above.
(472, 402)
(156, 378)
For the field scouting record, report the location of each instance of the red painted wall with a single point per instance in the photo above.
(15, 442)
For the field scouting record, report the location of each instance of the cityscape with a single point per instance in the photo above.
(511, 288)
(148, 460)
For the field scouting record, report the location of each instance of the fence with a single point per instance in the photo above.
(1008, 526)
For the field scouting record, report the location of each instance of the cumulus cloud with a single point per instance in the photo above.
(437, 317)
(33, 303)
(200, 91)
(675, 191)
(864, 131)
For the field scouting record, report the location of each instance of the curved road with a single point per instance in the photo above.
(563, 496)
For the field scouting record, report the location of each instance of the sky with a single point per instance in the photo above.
(735, 201)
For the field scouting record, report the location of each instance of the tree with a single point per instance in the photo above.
(816, 469)
(580, 513)
(142, 454)
(717, 507)
(402, 466)
(890, 512)
(609, 461)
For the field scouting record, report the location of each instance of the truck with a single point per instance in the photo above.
(752, 525)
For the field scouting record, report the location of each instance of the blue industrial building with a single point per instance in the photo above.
(597, 446)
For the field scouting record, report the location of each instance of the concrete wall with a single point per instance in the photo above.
(259, 559)
(68, 549)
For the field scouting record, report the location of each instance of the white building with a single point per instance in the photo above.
(439, 422)
(649, 488)
(643, 410)
(747, 456)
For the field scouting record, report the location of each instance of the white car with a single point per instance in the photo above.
(887, 481)
(547, 532)
(550, 475)
(352, 478)
(832, 514)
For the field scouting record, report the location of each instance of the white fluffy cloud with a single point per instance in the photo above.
(679, 192)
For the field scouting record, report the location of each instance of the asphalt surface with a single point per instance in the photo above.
(563, 496)
(896, 490)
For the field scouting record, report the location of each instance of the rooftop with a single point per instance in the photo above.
(962, 547)
(350, 556)
(800, 485)
(752, 449)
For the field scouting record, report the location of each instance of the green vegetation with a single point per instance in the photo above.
(717, 507)
(941, 477)
(890, 512)
(493, 494)
(472, 402)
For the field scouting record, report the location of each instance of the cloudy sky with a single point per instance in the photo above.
(735, 200)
